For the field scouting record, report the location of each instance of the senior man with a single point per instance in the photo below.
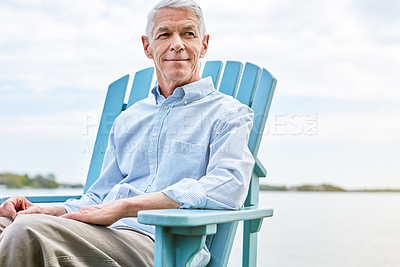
(185, 146)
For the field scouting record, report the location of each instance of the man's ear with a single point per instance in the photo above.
(204, 45)
(146, 46)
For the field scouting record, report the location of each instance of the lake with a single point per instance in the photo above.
(328, 229)
(317, 229)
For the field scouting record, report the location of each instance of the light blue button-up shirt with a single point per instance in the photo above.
(192, 146)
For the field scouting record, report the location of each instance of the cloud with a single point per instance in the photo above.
(323, 48)
(59, 143)
(47, 45)
(57, 59)
(372, 128)
(350, 149)
(73, 125)
(360, 128)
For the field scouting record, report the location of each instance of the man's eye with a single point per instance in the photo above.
(164, 34)
(189, 33)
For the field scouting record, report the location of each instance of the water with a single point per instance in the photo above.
(40, 192)
(316, 229)
(328, 229)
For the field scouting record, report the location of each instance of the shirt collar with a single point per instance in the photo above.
(190, 92)
(158, 97)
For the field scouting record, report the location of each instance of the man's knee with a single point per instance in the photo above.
(21, 241)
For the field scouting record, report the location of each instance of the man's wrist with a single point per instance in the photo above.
(129, 207)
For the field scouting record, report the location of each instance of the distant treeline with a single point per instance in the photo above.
(320, 188)
(10, 180)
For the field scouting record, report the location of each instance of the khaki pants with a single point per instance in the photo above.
(42, 240)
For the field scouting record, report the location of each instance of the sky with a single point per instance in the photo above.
(335, 114)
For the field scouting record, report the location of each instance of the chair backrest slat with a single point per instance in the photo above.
(231, 77)
(112, 108)
(213, 69)
(141, 86)
(220, 244)
(261, 104)
(248, 83)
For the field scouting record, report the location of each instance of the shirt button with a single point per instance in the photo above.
(154, 134)
(152, 166)
(185, 102)
(121, 196)
(165, 107)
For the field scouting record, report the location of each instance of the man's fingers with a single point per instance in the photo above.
(19, 202)
(31, 210)
(87, 218)
(72, 215)
(14, 204)
(77, 216)
(10, 210)
(2, 211)
(66, 216)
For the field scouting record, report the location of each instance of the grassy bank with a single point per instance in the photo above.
(10, 180)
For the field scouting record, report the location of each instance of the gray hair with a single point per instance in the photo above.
(185, 4)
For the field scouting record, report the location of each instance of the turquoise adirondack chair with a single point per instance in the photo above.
(181, 233)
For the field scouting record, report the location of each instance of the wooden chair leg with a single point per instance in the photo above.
(250, 230)
(177, 246)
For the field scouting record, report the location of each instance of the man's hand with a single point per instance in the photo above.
(103, 214)
(13, 205)
(108, 213)
(17, 205)
(53, 210)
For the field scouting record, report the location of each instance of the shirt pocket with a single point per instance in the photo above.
(183, 160)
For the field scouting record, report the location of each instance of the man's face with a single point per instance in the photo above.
(176, 46)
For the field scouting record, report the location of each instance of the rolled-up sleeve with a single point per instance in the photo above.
(229, 168)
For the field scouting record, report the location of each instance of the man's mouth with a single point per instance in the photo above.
(177, 59)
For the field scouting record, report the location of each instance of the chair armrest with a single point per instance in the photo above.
(46, 199)
(199, 217)
(181, 233)
(259, 169)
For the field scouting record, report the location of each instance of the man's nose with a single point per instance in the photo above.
(176, 43)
